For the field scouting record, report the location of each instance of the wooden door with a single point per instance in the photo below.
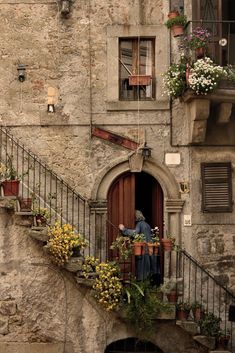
(129, 192)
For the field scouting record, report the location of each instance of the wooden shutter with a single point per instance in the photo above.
(216, 187)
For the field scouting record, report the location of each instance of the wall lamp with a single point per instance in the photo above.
(146, 151)
(21, 72)
(51, 108)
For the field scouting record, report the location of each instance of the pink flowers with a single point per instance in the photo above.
(199, 38)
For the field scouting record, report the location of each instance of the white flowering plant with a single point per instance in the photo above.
(204, 76)
(174, 79)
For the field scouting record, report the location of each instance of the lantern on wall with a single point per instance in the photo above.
(21, 72)
(146, 151)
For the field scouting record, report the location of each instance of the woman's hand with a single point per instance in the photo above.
(121, 226)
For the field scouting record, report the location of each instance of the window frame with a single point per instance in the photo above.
(162, 60)
(136, 53)
(217, 180)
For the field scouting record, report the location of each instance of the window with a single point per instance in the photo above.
(216, 187)
(146, 49)
(136, 69)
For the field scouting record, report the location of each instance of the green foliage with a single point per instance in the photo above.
(210, 325)
(174, 79)
(197, 305)
(185, 306)
(231, 73)
(142, 306)
(138, 238)
(123, 245)
(176, 21)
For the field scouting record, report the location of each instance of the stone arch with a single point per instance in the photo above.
(132, 344)
(173, 203)
(120, 166)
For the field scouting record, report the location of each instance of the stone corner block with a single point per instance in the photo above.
(7, 308)
(3, 326)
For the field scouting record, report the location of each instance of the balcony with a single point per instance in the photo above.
(217, 107)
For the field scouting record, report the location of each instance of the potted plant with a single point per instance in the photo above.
(174, 79)
(223, 338)
(62, 241)
(173, 13)
(168, 243)
(41, 216)
(142, 305)
(197, 310)
(183, 310)
(210, 325)
(170, 288)
(123, 246)
(153, 246)
(139, 244)
(176, 24)
(197, 40)
(9, 179)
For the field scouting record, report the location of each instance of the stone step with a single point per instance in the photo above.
(189, 326)
(206, 341)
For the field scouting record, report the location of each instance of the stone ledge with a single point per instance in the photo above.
(39, 233)
(18, 347)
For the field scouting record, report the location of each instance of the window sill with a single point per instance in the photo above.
(135, 105)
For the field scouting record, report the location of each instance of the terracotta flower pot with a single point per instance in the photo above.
(166, 244)
(178, 30)
(139, 248)
(200, 52)
(197, 314)
(173, 14)
(25, 204)
(11, 187)
(139, 80)
(153, 248)
(41, 221)
(172, 297)
(183, 315)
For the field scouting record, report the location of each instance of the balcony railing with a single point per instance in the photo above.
(222, 41)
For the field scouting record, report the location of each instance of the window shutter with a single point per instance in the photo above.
(216, 187)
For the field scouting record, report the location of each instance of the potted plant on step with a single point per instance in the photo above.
(153, 246)
(176, 24)
(197, 310)
(168, 243)
(123, 247)
(9, 179)
(62, 241)
(183, 310)
(170, 288)
(210, 325)
(222, 340)
(139, 244)
(41, 215)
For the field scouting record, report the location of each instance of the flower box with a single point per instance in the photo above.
(140, 80)
(11, 187)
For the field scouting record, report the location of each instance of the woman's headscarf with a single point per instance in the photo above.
(139, 216)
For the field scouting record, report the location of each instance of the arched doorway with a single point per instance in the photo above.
(132, 345)
(128, 192)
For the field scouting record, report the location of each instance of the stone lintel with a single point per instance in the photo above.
(224, 113)
(98, 205)
(174, 205)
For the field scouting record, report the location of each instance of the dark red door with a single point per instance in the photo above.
(129, 192)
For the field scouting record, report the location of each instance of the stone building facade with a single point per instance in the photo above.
(70, 50)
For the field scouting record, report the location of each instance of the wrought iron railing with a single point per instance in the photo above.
(222, 41)
(42, 185)
(198, 285)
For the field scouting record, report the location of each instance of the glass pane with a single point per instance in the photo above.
(126, 58)
(136, 60)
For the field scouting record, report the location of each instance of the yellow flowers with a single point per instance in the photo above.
(107, 286)
(62, 240)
